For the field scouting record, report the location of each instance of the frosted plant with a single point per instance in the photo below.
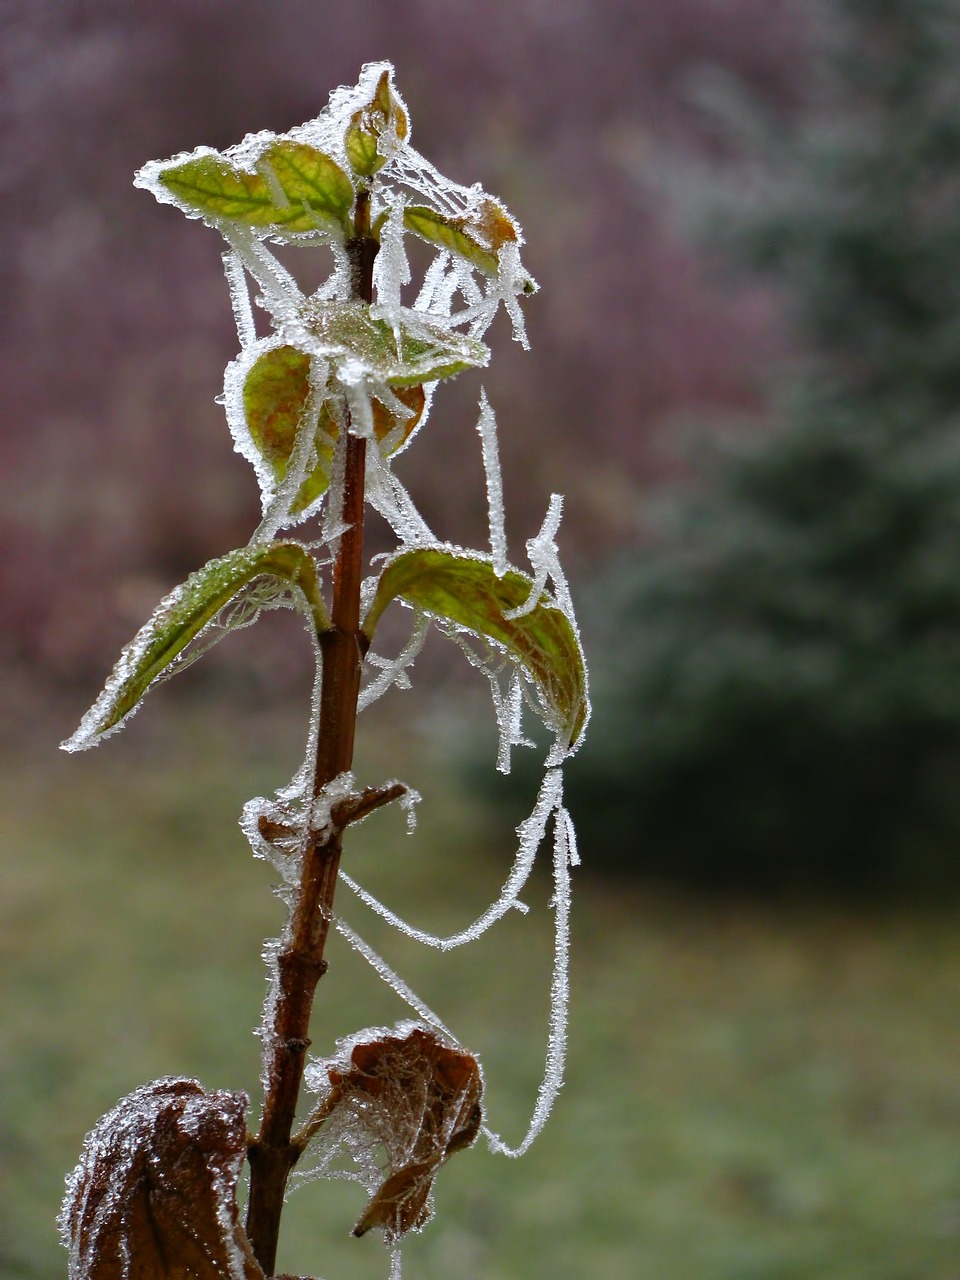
(327, 389)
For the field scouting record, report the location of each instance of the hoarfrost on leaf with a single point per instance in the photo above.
(194, 609)
(461, 590)
(157, 1182)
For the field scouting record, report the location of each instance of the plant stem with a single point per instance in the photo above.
(300, 962)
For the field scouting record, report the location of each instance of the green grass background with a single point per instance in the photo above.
(767, 1093)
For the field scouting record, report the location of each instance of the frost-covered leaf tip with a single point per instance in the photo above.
(375, 128)
(476, 238)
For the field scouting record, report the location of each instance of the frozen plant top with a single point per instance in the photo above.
(352, 360)
(307, 187)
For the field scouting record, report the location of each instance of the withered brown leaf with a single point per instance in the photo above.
(154, 1194)
(415, 1097)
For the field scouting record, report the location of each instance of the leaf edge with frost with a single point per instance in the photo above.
(179, 619)
(543, 641)
(275, 193)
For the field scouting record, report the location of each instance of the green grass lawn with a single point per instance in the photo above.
(751, 1093)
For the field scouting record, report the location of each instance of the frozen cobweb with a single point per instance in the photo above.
(532, 831)
(549, 805)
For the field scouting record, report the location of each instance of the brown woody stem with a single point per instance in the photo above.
(300, 962)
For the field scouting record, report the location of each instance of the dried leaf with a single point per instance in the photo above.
(412, 1095)
(154, 1195)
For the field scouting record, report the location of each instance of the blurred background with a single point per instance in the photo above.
(745, 221)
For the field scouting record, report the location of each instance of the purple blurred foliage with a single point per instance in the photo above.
(119, 478)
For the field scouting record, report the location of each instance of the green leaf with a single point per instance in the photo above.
(403, 354)
(463, 589)
(182, 615)
(274, 399)
(295, 188)
(310, 178)
(476, 239)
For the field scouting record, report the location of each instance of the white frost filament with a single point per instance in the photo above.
(487, 427)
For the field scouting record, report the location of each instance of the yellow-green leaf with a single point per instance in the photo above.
(476, 239)
(309, 178)
(294, 188)
(463, 589)
(182, 615)
(274, 398)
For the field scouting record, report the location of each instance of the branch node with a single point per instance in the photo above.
(355, 807)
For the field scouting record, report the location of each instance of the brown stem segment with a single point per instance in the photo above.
(300, 962)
